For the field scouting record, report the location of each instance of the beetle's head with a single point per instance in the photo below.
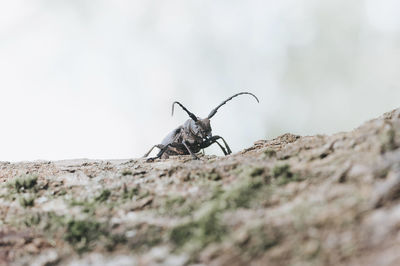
(202, 128)
(199, 127)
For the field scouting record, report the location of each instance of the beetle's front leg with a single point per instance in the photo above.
(226, 144)
(214, 139)
(211, 141)
(194, 156)
(222, 148)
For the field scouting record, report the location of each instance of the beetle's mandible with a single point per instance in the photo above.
(193, 136)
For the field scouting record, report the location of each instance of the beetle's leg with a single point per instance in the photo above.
(194, 156)
(214, 139)
(160, 153)
(211, 141)
(226, 144)
(160, 146)
(222, 148)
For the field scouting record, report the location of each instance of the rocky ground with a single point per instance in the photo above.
(315, 200)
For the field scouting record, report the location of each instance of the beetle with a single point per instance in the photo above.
(191, 137)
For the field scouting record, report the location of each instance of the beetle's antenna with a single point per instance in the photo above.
(214, 111)
(192, 116)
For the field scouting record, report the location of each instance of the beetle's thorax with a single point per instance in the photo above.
(199, 129)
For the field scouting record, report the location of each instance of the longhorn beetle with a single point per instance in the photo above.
(194, 135)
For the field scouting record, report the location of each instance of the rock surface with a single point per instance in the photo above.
(315, 200)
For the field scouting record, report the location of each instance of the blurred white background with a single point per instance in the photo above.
(96, 79)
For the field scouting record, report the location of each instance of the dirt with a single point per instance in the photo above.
(312, 200)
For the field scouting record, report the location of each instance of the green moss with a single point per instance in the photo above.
(174, 202)
(27, 201)
(146, 237)
(284, 175)
(32, 220)
(114, 241)
(130, 193)
(47, 222)
(24, 183)
(259, 239)
(182, 233)
(257, 171)
(389, 141)
(88, 207)
(52, 221)
(251, 182)
(104, 195)
(243, 193)
(176, 205)
(81, 233)
(171, 205)
(281, 170)
(216, 192)
(199, 232)
(246, 171)
(126, 172)
(204, 175)
(269, 153)
(211, 228)
(214, 176)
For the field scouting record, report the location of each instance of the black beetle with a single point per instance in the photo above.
(193, 136)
